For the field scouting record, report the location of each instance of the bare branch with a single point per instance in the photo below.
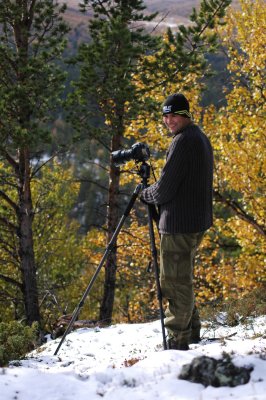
(9, 200)
(8, 224)
(9, 249)
(238, 210)
(93, 182)
(10, 159)
(13, 282)
(42, 165)
(159, 22)
(98, 165)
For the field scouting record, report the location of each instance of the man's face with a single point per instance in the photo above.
(174, 122)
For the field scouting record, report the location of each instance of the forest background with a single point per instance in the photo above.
(76, 86)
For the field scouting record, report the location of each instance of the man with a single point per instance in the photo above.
(183, 194)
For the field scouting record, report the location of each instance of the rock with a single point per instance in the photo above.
(212, 372)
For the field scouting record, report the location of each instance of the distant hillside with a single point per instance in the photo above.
(171, 12)
(173, 8)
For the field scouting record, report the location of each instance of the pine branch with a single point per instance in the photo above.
(192, 41)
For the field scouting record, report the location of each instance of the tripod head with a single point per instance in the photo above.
(144, 172)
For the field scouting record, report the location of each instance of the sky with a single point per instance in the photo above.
(127, 362)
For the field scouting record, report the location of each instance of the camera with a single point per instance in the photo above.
(139, 152)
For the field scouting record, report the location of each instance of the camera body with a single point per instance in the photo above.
(139, 152)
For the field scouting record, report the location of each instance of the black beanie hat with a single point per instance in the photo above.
(177, 104)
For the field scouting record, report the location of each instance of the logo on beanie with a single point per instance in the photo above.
(167, 109)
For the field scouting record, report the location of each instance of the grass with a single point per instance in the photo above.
(238, 310)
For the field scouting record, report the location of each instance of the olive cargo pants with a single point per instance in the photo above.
(177, 255)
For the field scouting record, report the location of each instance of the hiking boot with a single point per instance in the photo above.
(174, 344)
(195, 337)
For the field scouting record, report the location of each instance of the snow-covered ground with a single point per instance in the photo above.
(127, 362)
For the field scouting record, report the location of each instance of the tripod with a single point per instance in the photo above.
(144, 172)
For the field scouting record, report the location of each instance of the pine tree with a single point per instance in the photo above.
(106, 91)
(32, 37)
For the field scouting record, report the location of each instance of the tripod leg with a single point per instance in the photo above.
(106, 254)
(156, 271)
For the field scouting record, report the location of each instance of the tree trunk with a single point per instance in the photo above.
(26, 250)
(106, 308)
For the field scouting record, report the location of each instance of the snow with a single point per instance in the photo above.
(127, 361)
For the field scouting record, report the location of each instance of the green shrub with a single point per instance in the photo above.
(16, 340)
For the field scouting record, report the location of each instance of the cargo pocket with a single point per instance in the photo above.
(170, 261)
(175, 271)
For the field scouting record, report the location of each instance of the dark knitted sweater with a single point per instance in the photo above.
(184, 190)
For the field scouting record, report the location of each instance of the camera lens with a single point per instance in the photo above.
(120, 157)
(139, 152)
